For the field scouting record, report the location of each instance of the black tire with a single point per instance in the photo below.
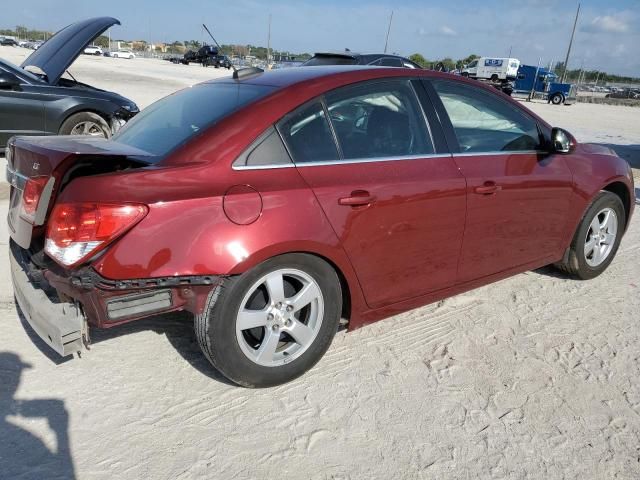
(80, 117)
(576, 262)
(216, 327)
(494, 78)
(557, 99)
(465, 74)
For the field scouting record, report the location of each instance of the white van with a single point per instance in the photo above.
(492, 68)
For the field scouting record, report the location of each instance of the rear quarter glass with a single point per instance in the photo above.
(171, 122)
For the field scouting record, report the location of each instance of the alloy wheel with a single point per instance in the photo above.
(601, 237)
(88, 128)
(279, 317)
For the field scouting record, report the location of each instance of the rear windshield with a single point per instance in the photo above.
(329, 60)
(174, 120)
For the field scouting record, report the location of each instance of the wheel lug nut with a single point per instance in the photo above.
(279, 305)
(289, 308)
(288, 323)
(270, 316)
(275, 328)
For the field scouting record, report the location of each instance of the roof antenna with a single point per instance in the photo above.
(244, 72)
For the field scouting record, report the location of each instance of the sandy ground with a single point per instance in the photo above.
(536, 376)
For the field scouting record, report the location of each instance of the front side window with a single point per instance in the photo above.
(379, 119)
(485, 123)
(308, 135)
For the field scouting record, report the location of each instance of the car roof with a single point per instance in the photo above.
(289, 76)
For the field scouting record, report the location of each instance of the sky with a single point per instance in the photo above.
(607, 37)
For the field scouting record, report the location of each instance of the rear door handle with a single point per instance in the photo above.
(489, 188)
(357, 198)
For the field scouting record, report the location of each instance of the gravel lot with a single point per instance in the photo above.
(536, 376)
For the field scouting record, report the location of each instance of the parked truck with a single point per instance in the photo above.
(207, 56)
(545, 85)
(490, 68)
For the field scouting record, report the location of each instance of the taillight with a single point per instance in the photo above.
(76, 231)
(31, 194)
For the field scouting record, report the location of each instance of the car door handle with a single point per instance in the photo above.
(357, 198)
(489, 188)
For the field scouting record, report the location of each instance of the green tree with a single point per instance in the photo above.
(448, 63)
(102, 41)
(469, 59)
(419, 59)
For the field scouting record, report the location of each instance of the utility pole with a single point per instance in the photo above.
(535, 80)
(386, 42)
(581, 70)
(269, 45)
(566, 60)
(510, 47)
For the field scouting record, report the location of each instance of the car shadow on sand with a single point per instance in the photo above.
(176, 327)
(24, 454)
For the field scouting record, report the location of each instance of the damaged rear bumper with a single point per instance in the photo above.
(59, 325)
(60, 305)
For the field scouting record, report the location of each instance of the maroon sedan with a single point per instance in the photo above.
(273, 205)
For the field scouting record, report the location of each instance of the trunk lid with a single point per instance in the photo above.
(56, 54)
(39, 167)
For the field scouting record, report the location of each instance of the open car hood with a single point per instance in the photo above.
(56, 54)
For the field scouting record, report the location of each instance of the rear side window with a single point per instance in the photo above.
(267, 150)
(483, 122)
(308, 135)
(174, 120)
(378, 120)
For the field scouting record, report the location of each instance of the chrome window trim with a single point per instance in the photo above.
(374, 160)
(262, 167)
(343, 162)
(387, 159)
(500, 152)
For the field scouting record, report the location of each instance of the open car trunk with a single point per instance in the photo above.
(39, 168)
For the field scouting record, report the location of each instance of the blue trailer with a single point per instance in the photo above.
(546, 84)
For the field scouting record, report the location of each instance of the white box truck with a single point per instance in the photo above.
(493, 69)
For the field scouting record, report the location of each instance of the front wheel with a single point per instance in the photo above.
(86, 123)
(272, 323)
(557, 99)
(597, 239)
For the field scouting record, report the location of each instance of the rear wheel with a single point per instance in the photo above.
(272, 323)
(86, 123)
(597, 239)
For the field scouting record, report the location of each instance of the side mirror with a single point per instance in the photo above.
(562, 141)
(8, 81)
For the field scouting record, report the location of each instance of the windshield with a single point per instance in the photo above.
(329, 60)
(8, 66)
(172, 121)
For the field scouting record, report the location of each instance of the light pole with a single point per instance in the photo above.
(269, 45)
(566, 60)
(386, 42)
